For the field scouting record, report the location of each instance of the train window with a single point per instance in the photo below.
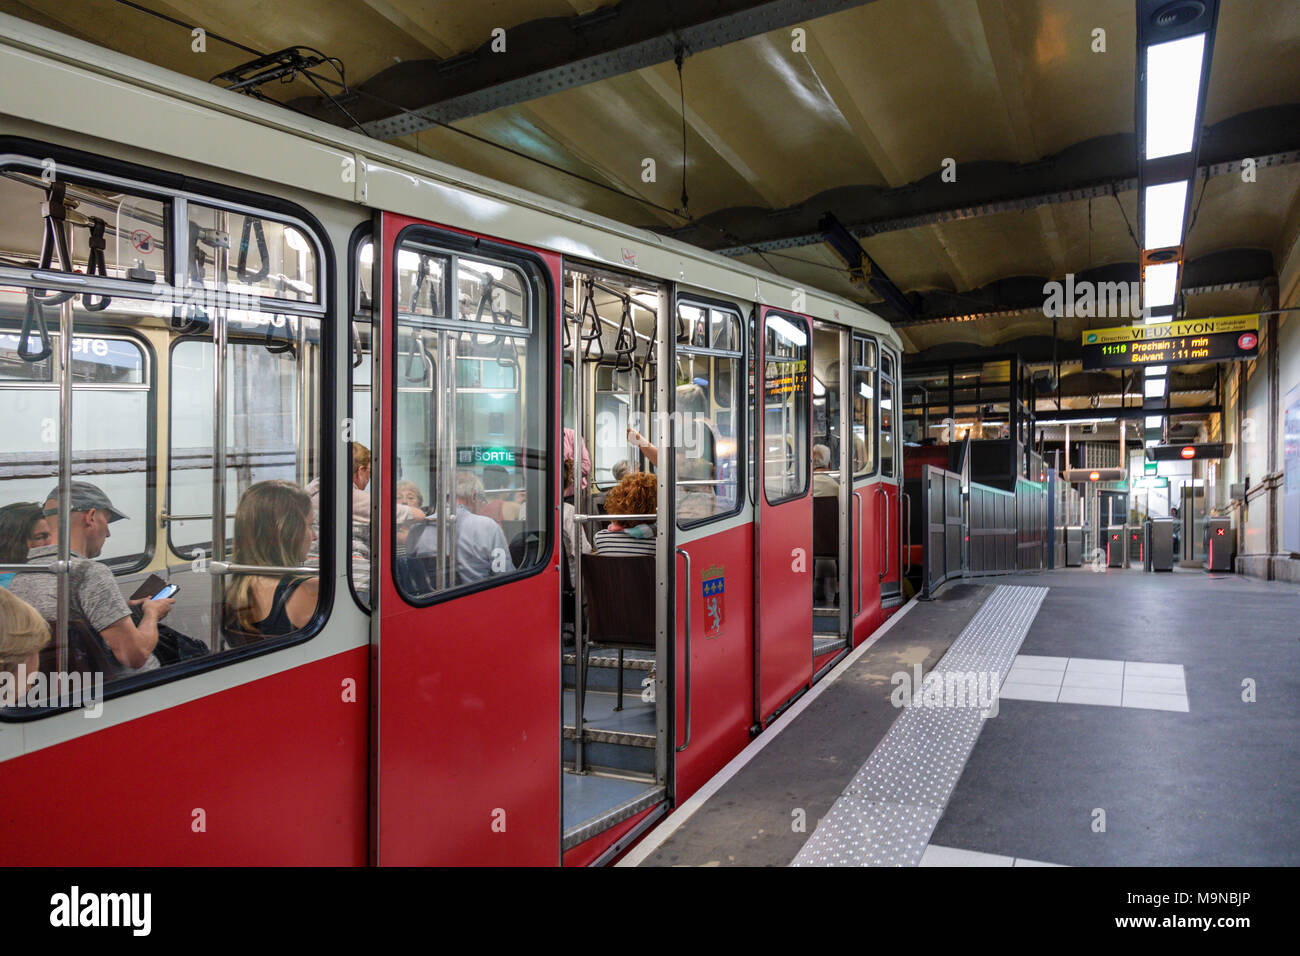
(886, 415)
(708, 459)
(102, 229)
(359, 404)
(262, 428)
(244, 253)
(79, 395)
(785, 408)
(864, 406)
(422, 283)
(110, 421)
(469, 423)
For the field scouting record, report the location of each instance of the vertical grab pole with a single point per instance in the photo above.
(222, 265)
(64, 565)
(687, 742)
(579, 634)
(665, 559)
(449, 458)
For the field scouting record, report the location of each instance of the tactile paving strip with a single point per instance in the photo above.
(886, 814)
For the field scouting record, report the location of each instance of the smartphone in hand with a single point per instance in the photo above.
(168, 591)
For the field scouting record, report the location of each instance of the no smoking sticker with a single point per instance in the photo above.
(142, 240)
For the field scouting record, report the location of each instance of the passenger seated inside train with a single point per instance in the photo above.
(481, 547)
(23, 526)
(94, 599)
(23, 633)
(636, 494)
(408, 493)
(824, 485)
(273, 528)
(360, 529)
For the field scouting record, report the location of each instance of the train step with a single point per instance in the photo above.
(612, 753)
(622, 740)
(602, 671)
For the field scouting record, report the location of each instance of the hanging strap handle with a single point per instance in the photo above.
(650, 367)
(357, 355)
(34, 320)
(97, 265)
(625, 340)
(54, 240)
(587, 309)
(253, 225)
(506, 355)
(279, 347)
(417, 348)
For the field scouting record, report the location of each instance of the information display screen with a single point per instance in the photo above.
(1172, 343)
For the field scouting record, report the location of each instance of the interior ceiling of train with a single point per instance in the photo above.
(977, 149)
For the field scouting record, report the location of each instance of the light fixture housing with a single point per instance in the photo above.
(1173, 78)
(1159, 286)
(1166, 205)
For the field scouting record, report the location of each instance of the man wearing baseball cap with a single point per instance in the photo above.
(93, 592)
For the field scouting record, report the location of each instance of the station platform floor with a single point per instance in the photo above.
(1140, 720)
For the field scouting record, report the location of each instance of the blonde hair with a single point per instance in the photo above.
(360, 457)
(23, 631)
(404, 485)
(271, 525)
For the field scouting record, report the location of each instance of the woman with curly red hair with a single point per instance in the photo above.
(636, 494)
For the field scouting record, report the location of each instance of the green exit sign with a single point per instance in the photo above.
(1150, 467)
(484, 455)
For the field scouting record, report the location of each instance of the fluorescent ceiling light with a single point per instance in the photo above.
(1154, 421)
(1155, 371)
(1173, 89)
(1154, 388)
(1074, 421)
(1159, 284)
(787, 330)
(1163, 214)
(865, 390)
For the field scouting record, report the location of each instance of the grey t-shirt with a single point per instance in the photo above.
(92, 590)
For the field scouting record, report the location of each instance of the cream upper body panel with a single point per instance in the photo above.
(54, 79)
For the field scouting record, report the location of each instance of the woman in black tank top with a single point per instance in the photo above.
(273, 528)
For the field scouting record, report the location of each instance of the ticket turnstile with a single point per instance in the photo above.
(1159, 545)
(1115, 545)
(1218, 544)
(1073, 547)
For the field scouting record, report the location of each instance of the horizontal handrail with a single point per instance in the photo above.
(53, 567)
(581, 519)
(165, 518)
(223, 567)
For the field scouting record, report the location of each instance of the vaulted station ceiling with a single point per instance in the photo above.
(777, 120)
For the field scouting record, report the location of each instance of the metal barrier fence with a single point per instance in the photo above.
(990, 531)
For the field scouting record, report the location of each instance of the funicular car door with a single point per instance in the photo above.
(713, 547)
(784, 555)
(888, 499)
(465, 637)
(866, 510)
